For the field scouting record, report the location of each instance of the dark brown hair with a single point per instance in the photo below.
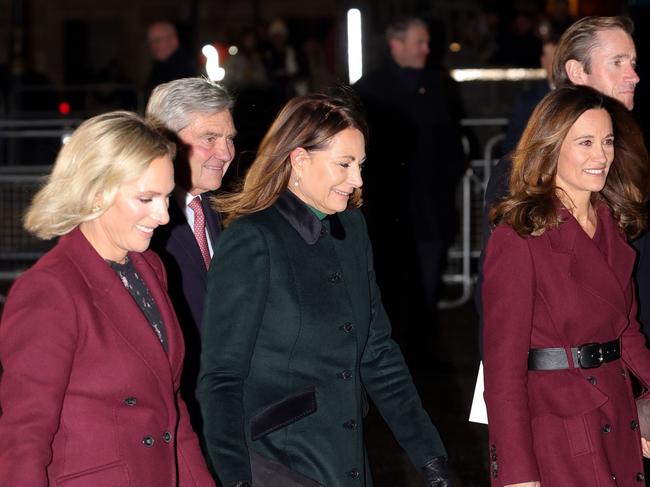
(532, 204)
(308, 121)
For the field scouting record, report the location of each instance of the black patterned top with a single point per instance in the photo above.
(140, 293)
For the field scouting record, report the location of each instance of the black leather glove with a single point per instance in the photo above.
(239, 484)
(436, 473)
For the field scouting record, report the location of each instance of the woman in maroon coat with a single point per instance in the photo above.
(561, 336)
(90, 347)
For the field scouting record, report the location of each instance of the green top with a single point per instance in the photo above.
(318, 213)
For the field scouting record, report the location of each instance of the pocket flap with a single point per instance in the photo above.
(283, 412)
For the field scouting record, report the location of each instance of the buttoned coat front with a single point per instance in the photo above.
(89, 397)
(293, 311)
(574, 426)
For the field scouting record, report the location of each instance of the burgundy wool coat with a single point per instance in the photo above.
(574, 427)
(88, 395)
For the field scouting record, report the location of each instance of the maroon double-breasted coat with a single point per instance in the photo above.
(88, 395)
(574, 427)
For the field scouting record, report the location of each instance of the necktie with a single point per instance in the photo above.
(199, 229)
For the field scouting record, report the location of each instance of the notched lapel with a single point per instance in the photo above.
(587, 264)
(183, 238)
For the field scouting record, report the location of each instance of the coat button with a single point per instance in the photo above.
(352, 424)
(592, 380)
(607, 428)
(347, 327)
(167, 437)
(613, 477)
(147, 441)
(634, 424)
(130, 401)
(345, 375)
(335, 277)
(323, 231)
(640, 477)
(353, 474)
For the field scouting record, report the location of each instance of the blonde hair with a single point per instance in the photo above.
(308, 121)
(102, 154)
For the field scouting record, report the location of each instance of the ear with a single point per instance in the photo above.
(575, 72)
(298, 157)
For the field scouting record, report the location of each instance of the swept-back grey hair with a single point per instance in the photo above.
(172, 104)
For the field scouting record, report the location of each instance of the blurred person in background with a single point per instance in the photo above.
(170, 62)
(418, 160)
(91, 349)
(196, 114)
(295, 336)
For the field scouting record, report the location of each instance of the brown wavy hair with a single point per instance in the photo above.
(308, 121)
(532, 205)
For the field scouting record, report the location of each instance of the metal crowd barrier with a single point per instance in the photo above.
(18, 250)
(463, 255)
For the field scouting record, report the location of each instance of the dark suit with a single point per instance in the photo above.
(562, 289)
(177, 247)
(88, 395)
(294, 333)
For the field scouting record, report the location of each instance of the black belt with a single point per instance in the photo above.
(587, 356)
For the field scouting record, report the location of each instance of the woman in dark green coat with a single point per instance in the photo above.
(294, 330)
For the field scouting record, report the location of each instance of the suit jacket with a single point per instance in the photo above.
(88, 395)
(177, 247)
(561, 289)
(294, 332)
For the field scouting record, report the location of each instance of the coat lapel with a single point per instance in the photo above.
(175, 346)
(183, 238)
(587, 264)
(113, 300)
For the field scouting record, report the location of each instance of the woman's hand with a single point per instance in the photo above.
(525, 484)
(645, 446)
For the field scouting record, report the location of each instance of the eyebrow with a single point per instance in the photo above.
(352, 158)
(219, 134)
(589, 136)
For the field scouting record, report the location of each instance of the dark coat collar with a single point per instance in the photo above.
(300, 217)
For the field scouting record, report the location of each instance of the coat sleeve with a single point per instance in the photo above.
(238, 284)
(633, 345)
(388, 382)
(192, 470)
(508, 300)
(38, 338)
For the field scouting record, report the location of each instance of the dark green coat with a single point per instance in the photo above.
(293, 307)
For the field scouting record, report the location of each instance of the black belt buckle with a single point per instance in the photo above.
(590, 355)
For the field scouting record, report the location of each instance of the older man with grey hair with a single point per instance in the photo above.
(197, 115)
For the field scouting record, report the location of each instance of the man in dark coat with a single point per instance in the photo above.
(197, 113)
(415, 160)
(170, 62)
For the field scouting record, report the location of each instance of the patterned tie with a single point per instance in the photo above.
(199, 229)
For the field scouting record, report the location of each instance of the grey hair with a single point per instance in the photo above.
(398, 28)
(172, 104)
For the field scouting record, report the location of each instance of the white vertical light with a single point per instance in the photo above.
(212, 68)
(355, 64)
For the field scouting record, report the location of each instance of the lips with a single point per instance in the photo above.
(145, 229)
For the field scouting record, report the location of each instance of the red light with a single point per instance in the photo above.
(64, 108)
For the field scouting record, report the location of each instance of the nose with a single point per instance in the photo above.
(161, 212)
(632, 76)
(354, 178)
(225, 150)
